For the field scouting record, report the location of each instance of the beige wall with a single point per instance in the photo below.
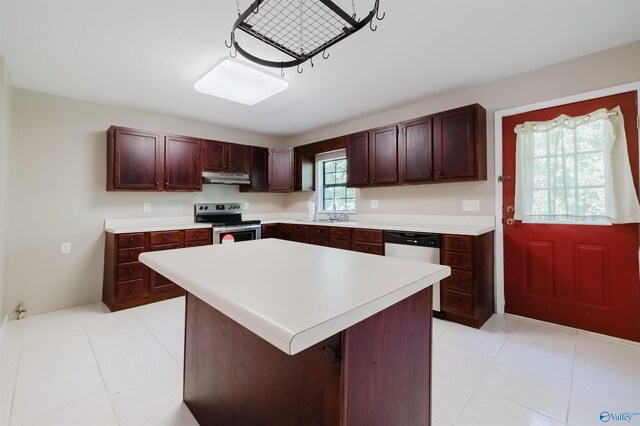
(57, 180)
(600, 70)
(5, 108)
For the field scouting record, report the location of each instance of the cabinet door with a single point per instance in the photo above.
(182, 164)
(238, 158)
(158, 282)
(134, 160)
(383, 155)
(358, 159)
(216, 156)
(416, 150)
(454, 144)
(258, 175)
(281, 170)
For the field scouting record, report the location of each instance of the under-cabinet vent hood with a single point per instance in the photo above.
(227, 178)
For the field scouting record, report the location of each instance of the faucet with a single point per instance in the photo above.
(338, 217)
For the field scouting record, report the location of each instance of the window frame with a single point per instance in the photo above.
(320, 160)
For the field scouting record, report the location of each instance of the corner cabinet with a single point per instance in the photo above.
(126, 281)
(280, 170)
(139, 160)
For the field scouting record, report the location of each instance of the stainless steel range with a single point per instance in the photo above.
(228, 226)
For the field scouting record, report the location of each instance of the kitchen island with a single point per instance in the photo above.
(282, 333)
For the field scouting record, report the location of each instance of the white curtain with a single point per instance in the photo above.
(575, 169)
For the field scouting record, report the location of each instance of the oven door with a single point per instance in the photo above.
(234, 234)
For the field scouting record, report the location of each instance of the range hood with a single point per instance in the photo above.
(226, 178)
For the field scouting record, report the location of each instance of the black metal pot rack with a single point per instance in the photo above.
(299, 28)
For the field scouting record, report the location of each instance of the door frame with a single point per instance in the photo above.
(498, 116)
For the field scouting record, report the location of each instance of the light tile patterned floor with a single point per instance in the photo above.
(88, 367)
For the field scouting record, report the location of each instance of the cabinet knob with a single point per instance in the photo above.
(131, 239)
(437, 173)
(131, 270)
(165, 238)
(366, 180)
(366, 235)
(130, 287)
(373, 179)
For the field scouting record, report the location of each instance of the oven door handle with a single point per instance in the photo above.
(235, 228)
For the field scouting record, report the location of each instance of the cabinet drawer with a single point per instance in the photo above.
(197, 243)
(133, 288)
(368, 248)
(197, 235)
(458, 242)
(460, 303)
(130, 240)
(130, 271)
(161, 247)
(459, 280)
(319, 231)
(164, 237)
(319, 241)
(367, 236)
(301, 230)
(341, 244)
(129, 254)
(458, 260)
(341, 234)
(286, 228)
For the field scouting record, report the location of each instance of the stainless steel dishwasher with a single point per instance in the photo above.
(418, 246)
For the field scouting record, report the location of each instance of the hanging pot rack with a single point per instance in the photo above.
(301, 29)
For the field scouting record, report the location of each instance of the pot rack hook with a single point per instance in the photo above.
(233, 53)
(281, 69)
(300, 70)
(371, 26)
(323, 54)
(377, 7)
(257, 8)
(311, 62)
(230, 45)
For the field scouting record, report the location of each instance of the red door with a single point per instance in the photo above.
(581, 276)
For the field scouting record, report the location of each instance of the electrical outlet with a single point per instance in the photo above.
(246, 205)
(146, 207)
(470, 205)
(65, 248)
(375, 204)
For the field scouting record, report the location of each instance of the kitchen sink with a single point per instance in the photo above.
(323, 221)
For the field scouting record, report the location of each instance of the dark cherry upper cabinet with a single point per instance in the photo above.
(239, 158)
(383, 155)
(280, 170)
(225, 157)
(460, 144)
(216, 156)
(259, 158)
(415, 150)
(134, 160)
(182, 164)
(358, 159)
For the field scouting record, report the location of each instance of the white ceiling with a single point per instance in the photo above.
(147, 54)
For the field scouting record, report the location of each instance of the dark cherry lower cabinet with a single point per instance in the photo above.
(467, 295)
(127, 282)
(375, 373)
(363, 240)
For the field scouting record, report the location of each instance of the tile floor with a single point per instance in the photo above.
(85, 366)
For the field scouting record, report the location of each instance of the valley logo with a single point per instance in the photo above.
(606, 416)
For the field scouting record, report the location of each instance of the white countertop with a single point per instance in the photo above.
(293, 295)
(458, 225)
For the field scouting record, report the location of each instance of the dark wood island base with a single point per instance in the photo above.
(376, 372)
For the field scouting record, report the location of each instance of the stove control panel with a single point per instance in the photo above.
(220, 208)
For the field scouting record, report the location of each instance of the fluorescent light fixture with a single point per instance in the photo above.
(239, 82)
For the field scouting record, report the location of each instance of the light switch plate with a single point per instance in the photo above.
(375, 204)
(470, 205)
(246, 205)
(65, 248)
(146, 207)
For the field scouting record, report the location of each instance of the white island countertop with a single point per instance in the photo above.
(293, 295)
